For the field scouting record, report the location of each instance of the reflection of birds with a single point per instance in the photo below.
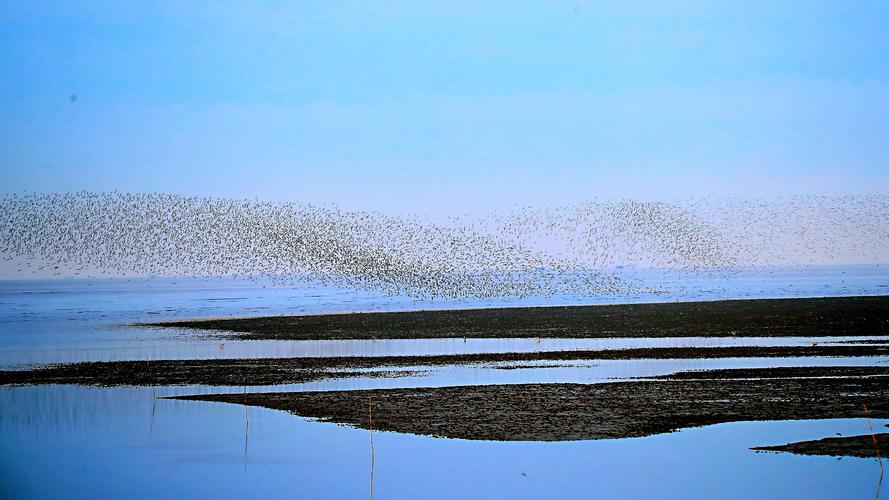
(552, 251)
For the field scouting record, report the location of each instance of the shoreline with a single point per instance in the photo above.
(486, 308)
(277, 371)
(860, 446)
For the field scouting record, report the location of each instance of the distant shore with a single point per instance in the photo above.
(802, 317)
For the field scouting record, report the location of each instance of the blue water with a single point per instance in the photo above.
(79, 442)
(71, 442)
(50, 321)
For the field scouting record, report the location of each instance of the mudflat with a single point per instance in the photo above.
(274, 371)
(807, 317)
(864, 446)
(562, 412)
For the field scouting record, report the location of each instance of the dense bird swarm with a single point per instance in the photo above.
(527, 251)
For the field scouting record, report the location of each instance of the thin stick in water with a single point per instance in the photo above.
(246, 427)
(873, 436)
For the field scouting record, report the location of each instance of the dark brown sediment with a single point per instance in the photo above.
(809, 317)
(844, 446)
(562, 412)
(274, 371)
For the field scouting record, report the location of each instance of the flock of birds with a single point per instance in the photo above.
(572, 249)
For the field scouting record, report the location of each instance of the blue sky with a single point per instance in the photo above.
(413, 106)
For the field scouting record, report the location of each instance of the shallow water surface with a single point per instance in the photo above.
(74, 442)
(85, 442)
(52, 321)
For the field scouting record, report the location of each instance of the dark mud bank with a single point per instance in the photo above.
(275, 371)
(846, 446)
(833, 316)
(562, 412)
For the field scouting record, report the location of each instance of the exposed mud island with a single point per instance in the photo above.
(814, 317)
(631, 407)
(863, 446)
(565, 412)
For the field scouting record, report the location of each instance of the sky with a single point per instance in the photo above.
(445, 107)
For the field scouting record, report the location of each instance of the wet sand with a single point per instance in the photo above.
(846, 446)
(275, 371)
(812, 317)
(562, 412)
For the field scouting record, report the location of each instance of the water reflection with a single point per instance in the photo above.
(70, 441)
(579, 372)
(56, 441)
(370, 428)
(876, 449)
(246, 428)
(169, 346)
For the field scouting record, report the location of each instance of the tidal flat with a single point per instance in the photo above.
(275, 371)
(863, 446)
(566, 412)
(801, 317)
(577, 396)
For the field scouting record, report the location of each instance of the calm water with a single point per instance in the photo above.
(85, 320)
(77, 442)
(70, 442)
